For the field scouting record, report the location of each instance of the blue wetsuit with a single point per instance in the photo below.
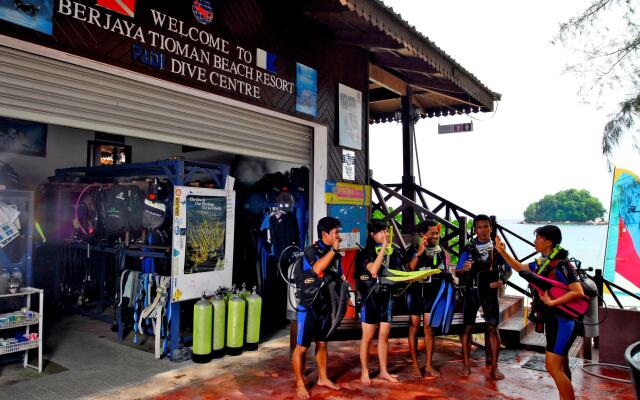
(561, 332)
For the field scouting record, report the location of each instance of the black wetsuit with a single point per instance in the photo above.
(314, 309)
(420, 296)
(377, 302)
(485, 258)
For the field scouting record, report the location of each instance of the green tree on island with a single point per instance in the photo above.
(570, 205)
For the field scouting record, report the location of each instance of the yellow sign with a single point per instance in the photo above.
(176, 206)
(347, 193)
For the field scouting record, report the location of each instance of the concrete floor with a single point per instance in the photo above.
(82, 359)
(266, 374)
(86, 362)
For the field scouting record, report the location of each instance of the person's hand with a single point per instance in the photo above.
(546, 299)
(499, 245)
(336, 243)
(422, 245)
(385, 243)
(467, 265)
(496, 285)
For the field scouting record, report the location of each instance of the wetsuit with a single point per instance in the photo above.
(561, 332)
(377, 300)
(485, 258)
(313, 312)
(420, 296)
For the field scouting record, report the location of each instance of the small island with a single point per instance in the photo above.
(568, 206)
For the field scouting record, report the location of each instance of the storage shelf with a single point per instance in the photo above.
(14, 348)
(24, 322)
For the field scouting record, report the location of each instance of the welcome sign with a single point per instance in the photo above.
(185, 42)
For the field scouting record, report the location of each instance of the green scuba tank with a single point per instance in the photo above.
(254, 308)
(231, 292)
(202, 316)
(244, 293)
(219, 320)
(235, 324)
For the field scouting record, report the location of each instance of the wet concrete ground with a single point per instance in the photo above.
(269, 376)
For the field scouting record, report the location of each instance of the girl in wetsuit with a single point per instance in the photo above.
(560, 331)
(377, 304)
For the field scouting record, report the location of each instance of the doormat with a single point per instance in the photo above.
(506, 356)
(536, 362)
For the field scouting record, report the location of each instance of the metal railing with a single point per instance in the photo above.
(433, 206)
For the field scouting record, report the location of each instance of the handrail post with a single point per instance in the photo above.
(600, 285)
(462, 233)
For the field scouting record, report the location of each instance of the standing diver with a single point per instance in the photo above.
(372, 262)
(481, 269)
(422, 296)
(321, 264)
(560, 331)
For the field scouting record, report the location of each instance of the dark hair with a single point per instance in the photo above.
(327, 224)
(374, 226)
(550, 232)
(480, 218)
(423, 227)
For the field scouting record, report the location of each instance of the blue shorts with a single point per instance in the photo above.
(312, 327)
(561, 333)
(378, 307)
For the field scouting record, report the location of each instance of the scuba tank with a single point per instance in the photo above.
(202, 315)
(219, 319)
(231, 292)
(254, 309)
(235, 324)
(244, 293)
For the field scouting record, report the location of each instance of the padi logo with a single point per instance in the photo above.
(309, 281)
(203, 11)
(364, 277)
(120, 196)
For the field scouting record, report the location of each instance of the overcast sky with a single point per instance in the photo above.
(541, 140)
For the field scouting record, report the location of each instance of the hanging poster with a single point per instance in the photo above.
(306, 89)
(202, 258)
(350, 117)
(32, 14)
(622, 260)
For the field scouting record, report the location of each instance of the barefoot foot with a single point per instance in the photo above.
(431, 371)
(464, 371)
(496, 375)
(328, 383)
(364, 378)
(301, 392)
(388, 377)
(415, 371)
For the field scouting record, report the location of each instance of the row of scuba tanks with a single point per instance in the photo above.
(226, 323)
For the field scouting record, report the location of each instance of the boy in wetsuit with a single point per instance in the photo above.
(421, 296)
(321, 263)
(480, 256)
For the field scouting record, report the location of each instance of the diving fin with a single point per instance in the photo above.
(451, 304)
(439, 307)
